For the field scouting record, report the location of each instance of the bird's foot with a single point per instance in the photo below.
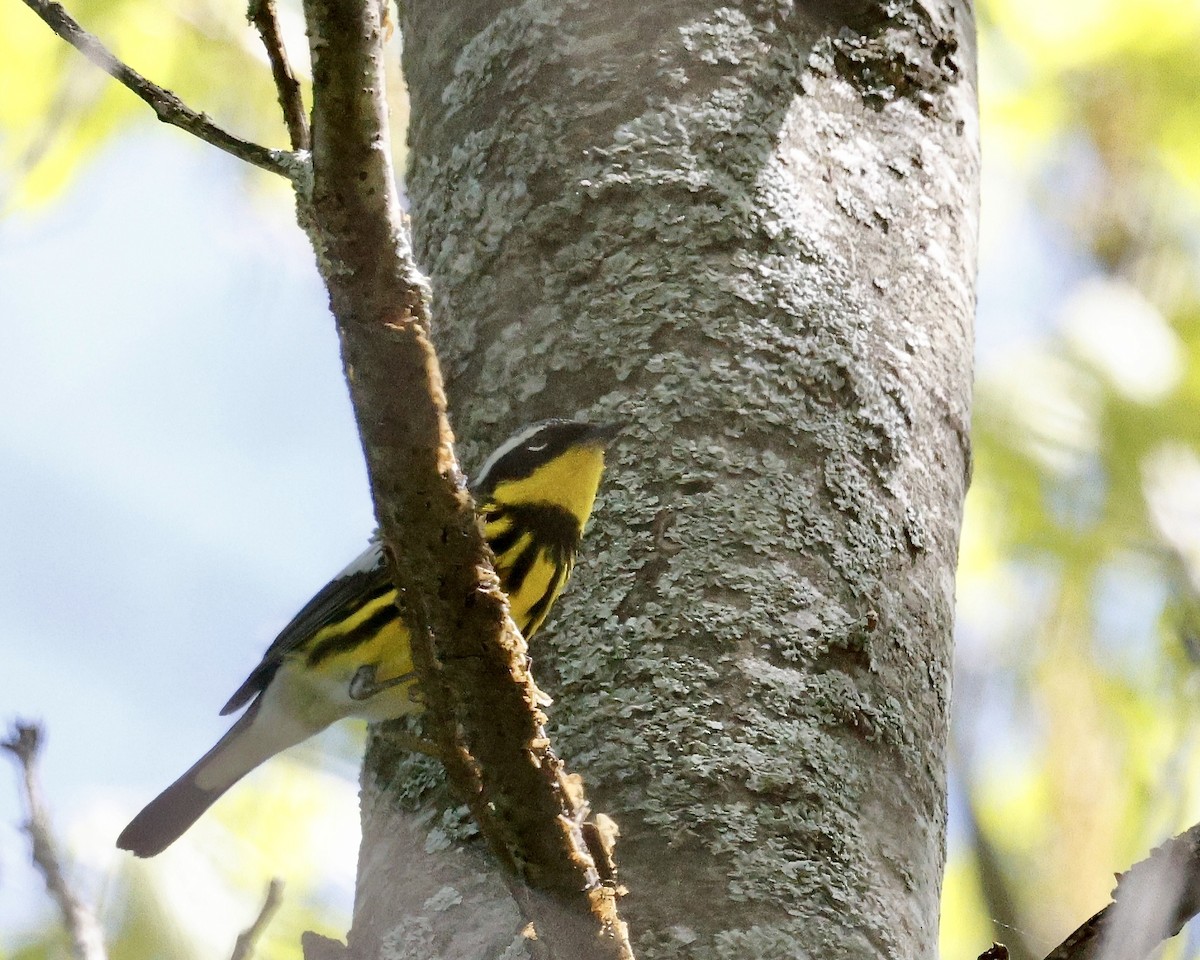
(363, 685)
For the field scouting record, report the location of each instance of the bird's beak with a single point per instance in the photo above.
(604, 433)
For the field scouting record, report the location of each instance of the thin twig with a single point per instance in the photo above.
(1153, 900)
(87, 939)
(166, 105)
(262, 14)
(248, 938)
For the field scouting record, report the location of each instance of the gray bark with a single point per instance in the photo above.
(749, 233)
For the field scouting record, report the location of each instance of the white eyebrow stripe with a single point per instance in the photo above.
(507, 447)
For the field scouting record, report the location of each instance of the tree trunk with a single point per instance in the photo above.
(749, 234)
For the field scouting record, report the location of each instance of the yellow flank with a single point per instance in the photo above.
(385, 648)
(343, 626)
(391, 651)
(505, 560)
(494, 528)
(542, 578)
(570, 481)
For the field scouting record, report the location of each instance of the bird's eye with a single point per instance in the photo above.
(536, 447)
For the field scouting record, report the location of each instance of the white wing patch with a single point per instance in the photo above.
(370, 559)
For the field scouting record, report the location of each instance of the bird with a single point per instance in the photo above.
(347, 654)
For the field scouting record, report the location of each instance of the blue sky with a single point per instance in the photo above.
(180, 469)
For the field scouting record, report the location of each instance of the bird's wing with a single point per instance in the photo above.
(344, 594)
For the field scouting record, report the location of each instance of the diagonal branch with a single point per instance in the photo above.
(263, 15)
(87, 941)
(166, 105)
(480, 698)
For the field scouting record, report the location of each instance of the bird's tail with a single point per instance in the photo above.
(165, 818)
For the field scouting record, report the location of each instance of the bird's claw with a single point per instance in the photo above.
(363, 684)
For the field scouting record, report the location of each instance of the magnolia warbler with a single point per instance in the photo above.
(346, 653)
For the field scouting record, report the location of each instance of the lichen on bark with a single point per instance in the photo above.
(688, 217)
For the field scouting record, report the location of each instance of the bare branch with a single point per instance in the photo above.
(262, 14)
(87, 940)
(470, 657)
(243, 948)
(1152, 902)
(165, 104)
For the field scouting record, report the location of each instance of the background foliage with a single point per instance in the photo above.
(1075, 733)
(1079, 627)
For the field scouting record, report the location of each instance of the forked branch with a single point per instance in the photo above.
(165, 104)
